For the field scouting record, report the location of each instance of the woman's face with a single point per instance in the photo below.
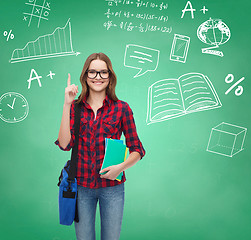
(97, 84)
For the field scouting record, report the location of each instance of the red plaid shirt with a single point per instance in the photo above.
(113, 118)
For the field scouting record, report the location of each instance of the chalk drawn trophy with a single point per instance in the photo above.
(213, 32)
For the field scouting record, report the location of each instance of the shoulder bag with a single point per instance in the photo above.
(67, 199)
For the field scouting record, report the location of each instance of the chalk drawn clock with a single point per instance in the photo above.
(13, 107)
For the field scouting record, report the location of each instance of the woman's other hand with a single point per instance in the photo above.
(112, 172)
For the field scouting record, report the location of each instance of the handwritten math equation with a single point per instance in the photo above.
(143, 16)
(151, 20)
(141, 27)
(137, 3)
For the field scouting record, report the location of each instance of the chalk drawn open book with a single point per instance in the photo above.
(171, 98)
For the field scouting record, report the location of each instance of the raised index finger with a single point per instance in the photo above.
(69, 80)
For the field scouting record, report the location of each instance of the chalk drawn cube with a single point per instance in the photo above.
(226, 139)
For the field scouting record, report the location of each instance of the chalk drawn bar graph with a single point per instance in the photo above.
(56, 44)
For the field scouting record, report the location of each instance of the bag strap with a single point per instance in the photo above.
(74, 152)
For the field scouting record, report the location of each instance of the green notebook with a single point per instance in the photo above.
(115, 153)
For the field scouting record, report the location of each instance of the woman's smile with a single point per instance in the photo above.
(98, 82)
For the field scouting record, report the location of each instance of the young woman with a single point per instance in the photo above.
(102, 116)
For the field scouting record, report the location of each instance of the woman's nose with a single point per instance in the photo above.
(98, 76)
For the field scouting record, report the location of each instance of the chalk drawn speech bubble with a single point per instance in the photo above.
(143, 58)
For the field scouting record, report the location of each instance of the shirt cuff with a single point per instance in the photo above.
(140, 151)
(67, 148)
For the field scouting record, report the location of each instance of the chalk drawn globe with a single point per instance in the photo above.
(213, 32)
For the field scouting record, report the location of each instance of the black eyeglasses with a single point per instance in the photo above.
(104, 74)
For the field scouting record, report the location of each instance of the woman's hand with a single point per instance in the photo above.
(112, 172)
(70, 91)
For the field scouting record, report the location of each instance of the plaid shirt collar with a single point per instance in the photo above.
(107, 101)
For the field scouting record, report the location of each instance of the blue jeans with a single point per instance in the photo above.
(111, 206)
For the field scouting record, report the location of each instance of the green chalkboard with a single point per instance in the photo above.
(177, 63)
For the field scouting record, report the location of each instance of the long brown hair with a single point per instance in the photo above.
(110, 90)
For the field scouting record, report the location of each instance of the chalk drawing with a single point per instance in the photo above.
(51, 74)
(33, 71)
(132, 15)
(141, 27)
(229, 79)
(37, 10)
(143, 58)
(34, 76)
(204, 10)
(172, 98)
(138, 4)
(226, 139)
(57, 44)
(188, 8)
(13, 107)
(151, 15)
(8, 35)
(213, 32)
(180, 48)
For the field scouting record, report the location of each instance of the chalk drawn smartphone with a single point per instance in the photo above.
(179, 48)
